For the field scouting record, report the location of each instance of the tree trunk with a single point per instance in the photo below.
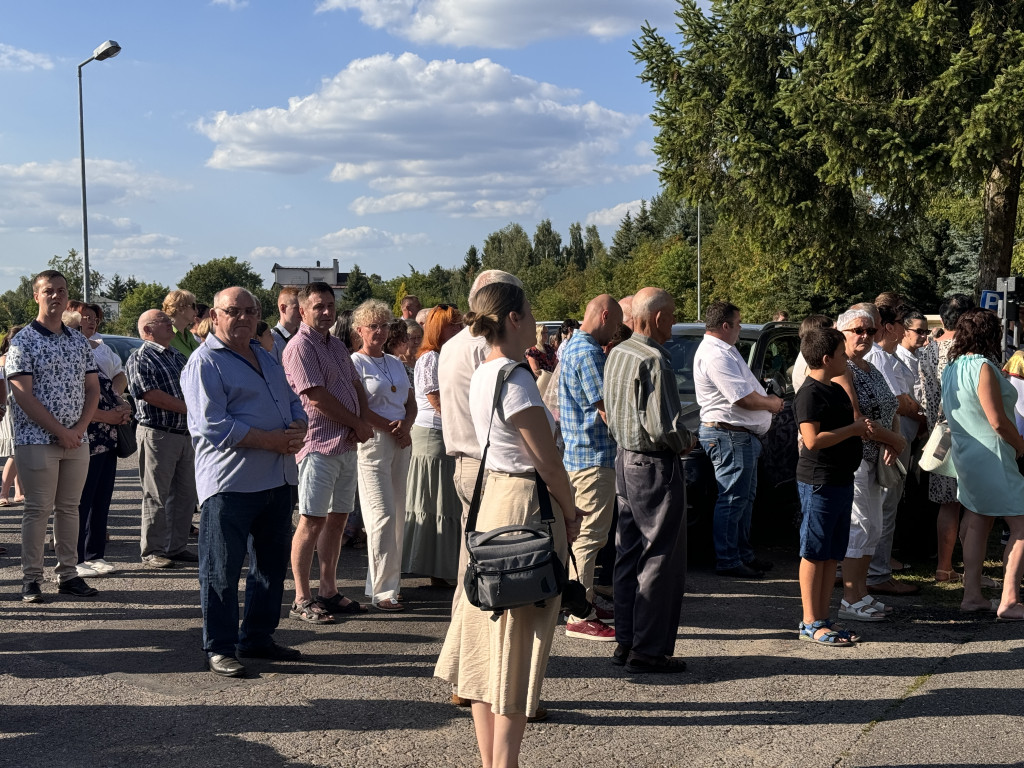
(1002, 194)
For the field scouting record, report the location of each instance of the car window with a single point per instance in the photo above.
(779, 358)
(681, 349)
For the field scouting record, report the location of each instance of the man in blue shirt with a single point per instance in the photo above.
(247, 425)
(589, 448)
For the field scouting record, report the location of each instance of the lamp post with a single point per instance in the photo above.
(106, 50)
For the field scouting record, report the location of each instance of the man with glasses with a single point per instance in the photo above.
(247, 425)
(735, 412)
(166, 457)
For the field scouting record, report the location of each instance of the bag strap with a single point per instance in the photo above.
(547, 515)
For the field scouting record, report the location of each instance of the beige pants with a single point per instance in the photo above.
(466, 469)
(53, 478)
(595, 493)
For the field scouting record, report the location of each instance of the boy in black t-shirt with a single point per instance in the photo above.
(829, 455)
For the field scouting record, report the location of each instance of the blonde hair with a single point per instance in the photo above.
(493, 304)
(175, 301)
(71, 319)
(369, 311)
(542, 335)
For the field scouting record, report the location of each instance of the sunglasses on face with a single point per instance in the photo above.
(919, 331)
(861, 331)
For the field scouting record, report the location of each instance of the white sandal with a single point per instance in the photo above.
(862, 610)
(877, 604)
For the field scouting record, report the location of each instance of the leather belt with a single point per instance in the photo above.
(727, 427)
(171, 430)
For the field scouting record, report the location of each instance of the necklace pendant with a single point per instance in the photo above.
(394, 388)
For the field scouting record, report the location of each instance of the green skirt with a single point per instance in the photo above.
(433, 512)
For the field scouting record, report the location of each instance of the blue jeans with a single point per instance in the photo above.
(231, 524)
(734, 456)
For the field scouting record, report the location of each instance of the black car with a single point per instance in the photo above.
(771, 351)
(123, 345)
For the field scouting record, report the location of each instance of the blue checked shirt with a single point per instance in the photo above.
(580, 385)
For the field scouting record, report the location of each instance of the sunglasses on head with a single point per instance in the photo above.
(861, 331)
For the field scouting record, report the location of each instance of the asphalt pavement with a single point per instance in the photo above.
(119, 681)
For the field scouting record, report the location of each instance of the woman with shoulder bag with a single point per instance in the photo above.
(499, 664)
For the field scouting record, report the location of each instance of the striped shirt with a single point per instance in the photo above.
(581, 385)
(150, 367)
(640, 398)
(313, 360)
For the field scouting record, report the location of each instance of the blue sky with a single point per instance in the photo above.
(379, 132)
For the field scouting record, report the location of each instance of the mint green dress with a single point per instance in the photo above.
(986, 466)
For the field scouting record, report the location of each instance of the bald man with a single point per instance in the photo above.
(626, 304)
(166, 457)
(645, 420)
(589, 449)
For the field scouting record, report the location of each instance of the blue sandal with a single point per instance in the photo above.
(833, 638)
(847, 633)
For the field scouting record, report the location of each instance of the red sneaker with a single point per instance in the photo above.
(591, 630)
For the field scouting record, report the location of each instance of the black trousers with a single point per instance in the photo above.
(650, 550)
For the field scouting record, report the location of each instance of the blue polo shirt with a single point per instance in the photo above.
(580, 385)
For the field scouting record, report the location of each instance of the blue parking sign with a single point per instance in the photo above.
(990, 300)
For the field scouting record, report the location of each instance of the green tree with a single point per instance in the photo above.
(400, 294)
(576, 251)
(471, 264)
(624, 240)
(116, 289)
(205, 280)
(592, 242)
(547, 243)
(508, 249)
(358, 289)
(17, 307)
(145, 296)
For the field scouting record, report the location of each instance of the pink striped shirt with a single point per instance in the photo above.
(312, 360)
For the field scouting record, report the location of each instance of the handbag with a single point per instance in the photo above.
(126, 442)
(936, 456)
(889, 475)
(514, 565)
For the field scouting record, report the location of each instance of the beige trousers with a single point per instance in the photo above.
(595, 493)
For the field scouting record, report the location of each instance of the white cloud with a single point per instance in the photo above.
(463, 138)
(359, 238)
(20, 60)
(612, 217)
(232, 5)
(504, 24)
(47, 197)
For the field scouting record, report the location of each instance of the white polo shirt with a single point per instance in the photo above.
(721, 377)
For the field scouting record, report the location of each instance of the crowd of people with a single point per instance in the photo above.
(361, 416)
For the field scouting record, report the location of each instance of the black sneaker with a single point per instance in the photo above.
(76, 587)
(273, 651)
(760, 565)
(31, 593)
(620, 655)
(185, 556)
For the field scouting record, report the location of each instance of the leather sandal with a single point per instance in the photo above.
(310, 612)
(390, 605)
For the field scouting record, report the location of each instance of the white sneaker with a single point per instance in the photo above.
(86, 571)
(101, 566)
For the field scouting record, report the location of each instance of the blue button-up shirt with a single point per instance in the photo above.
(580, 385)
(226, 397)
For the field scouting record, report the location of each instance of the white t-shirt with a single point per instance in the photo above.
(721, 377)
(426, 382)
(107, 361)
(460, 357)
(508, 450)
(884, 362)
(386, 384)
(800, 369)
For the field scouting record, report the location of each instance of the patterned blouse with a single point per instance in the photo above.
(875, 400)
(545, 358)
(103, 436)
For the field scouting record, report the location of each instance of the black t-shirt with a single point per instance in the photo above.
(830, 406)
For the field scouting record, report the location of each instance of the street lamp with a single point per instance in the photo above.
(106, 50)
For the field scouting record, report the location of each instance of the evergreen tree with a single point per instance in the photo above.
(624, 240)
(594, 247)
(576, 252)
(547, 244)
(358, 289)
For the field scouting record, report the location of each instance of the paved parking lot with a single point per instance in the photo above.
(119, 682)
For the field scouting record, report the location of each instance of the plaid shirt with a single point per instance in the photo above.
(580, 385)
(311, 360)
(154, 367)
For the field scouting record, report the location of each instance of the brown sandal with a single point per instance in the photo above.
(310, 612)
(390, 604)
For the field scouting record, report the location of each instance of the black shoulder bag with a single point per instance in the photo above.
(515, 565)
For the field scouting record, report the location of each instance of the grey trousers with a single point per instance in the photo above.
(53, 478)
(168, 476)
(650, 550)
(879, 571)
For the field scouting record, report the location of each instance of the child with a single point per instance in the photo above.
(829, 455)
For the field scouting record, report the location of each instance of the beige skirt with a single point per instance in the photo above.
(503, 662)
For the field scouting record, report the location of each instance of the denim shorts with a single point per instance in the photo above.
(825, 528)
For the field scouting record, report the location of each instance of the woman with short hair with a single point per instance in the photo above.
(986, 445)
(180, 306)
(383, 460)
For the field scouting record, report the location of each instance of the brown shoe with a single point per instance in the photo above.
(540, 716)
(893, 587)
(458, 701)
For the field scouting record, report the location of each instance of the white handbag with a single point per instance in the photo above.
(936, 456)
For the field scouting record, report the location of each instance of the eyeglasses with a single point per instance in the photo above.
(374, 327)
(236, 311)
(861, 331)
(919, 331)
